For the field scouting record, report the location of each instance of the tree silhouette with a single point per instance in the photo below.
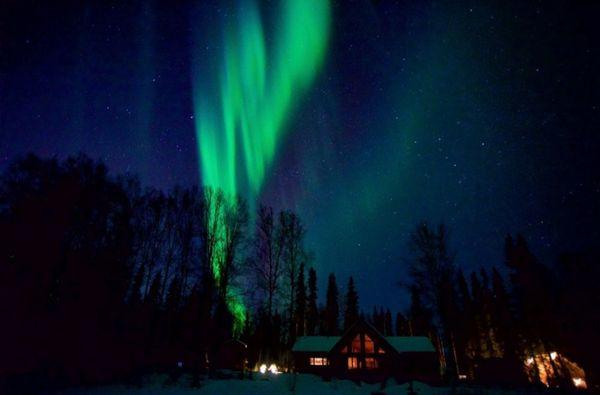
(351, 305)
(312, 311)
(332, 310)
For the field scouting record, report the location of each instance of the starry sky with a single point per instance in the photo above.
(365, 117)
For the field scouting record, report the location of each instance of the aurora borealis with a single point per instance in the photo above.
(240, 122)
(364, 117)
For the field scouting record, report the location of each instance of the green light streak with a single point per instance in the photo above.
(241, 121)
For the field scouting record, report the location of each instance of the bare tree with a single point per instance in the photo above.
(232, 234)
(266, 263)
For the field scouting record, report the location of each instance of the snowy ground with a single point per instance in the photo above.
(301, 384)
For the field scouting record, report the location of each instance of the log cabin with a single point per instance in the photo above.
(363, 353)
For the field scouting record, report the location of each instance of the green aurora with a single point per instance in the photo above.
(242, 104)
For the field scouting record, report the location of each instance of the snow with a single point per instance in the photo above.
(299, 384)
(315, 343)
(410, 343)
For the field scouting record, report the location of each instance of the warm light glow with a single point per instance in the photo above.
(352, 363)
(263, 368)
(317, 361)
(462, 376)
(546, 368)
(579, 382)
(273, 369)
(369, 345)
(371, 363)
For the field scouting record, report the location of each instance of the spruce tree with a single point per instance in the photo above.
(351, 312)
(332, 310)
(312, 311)
(300, 311)
(389, 331)
(401, 325)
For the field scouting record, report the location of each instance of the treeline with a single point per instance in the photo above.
(100, 278)
(542, 326)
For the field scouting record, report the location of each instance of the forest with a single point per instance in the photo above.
(103, 279)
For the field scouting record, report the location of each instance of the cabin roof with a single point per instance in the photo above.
(315, 343)
(400, 344)
(410, 343)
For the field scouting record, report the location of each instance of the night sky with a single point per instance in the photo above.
(365, 117)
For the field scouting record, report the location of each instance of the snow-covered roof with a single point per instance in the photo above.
(315, 343)
(410, 343)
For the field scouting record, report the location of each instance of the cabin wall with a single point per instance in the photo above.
(408, 366)
(302, 363)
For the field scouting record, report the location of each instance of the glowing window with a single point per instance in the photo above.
(352, 363)
(355, 347)
(371, 363)
(317, 361)
(369, 345)
(380, 350)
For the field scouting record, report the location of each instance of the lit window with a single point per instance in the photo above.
(380, 350)
(371, 363)
(356, 344)
(352, 363)
(317, 361)
(369, 345)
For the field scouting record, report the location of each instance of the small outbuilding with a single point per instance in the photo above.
(362, 353)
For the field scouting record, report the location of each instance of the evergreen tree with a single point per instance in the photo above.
(466, 330)
(351, 312)
(401, 325)
(379, 319)
(476, 311)
(332, 310)
(322, 328)
(463, 292)
(301, 303)
(388, 323)
(312, 311)
(502, 316)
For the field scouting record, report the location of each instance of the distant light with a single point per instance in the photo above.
(529, 360)
(273, 369)
(579, 382)
(263, 368)
(180, 364)
(462, 376)
(553, 355)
